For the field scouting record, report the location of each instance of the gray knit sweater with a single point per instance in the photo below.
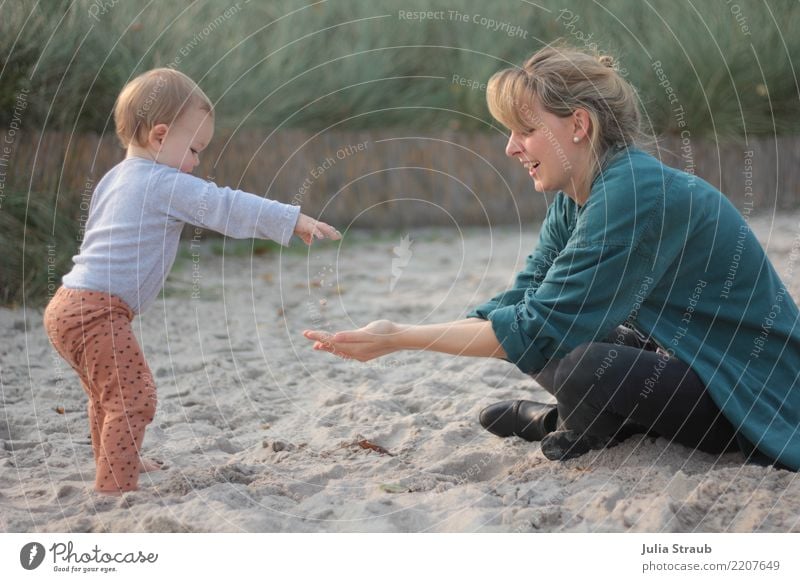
(135, 220)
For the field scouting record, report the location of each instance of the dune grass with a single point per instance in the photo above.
(287, 63)
(37, 249)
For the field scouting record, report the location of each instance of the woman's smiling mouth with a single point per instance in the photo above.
(531, 167)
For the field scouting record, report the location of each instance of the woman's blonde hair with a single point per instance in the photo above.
(562, 79)
(157, 96)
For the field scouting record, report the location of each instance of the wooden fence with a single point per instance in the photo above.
(390, 178)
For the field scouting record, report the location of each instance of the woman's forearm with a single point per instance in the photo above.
(468, 321)
(476, 339)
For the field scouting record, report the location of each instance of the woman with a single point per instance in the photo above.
(648, 305)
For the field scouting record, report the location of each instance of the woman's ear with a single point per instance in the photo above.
(582, 124)
(157, 134)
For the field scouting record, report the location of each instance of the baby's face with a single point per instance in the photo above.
(186, 138)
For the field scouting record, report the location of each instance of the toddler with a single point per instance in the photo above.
(137, 213)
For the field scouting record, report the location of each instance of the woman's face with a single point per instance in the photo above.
(548, 150)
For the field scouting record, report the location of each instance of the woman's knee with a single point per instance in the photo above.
(577, 371)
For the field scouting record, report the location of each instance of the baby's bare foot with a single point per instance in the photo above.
(148, 465)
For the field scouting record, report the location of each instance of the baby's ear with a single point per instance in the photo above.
(157, 134)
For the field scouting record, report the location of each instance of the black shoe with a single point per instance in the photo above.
(561, 445)
(523, 418)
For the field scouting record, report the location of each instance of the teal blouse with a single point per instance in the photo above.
(666, 253)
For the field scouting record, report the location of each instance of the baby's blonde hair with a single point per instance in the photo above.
(562, 79)
(157, 96)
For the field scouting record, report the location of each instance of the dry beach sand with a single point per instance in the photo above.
(261, 433)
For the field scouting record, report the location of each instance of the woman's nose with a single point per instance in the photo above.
(512, 147)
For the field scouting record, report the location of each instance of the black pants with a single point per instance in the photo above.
(624, 385)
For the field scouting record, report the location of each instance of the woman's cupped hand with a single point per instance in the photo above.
(367, 343)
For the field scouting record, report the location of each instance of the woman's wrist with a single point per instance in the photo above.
(400, 338)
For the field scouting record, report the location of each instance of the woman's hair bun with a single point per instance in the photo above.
(606, 60)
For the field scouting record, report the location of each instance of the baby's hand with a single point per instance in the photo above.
(308, 229)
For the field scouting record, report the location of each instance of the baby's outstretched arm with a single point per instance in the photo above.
(234, 213)
(308, 229)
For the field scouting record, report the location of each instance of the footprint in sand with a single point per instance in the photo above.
(341, 398)
(66, 492)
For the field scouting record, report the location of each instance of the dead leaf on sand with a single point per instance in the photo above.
(365, 444)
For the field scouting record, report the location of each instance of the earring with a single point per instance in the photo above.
(576, 139)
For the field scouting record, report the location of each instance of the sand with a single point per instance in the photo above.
(260, 433)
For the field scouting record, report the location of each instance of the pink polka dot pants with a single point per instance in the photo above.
(92, 331)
